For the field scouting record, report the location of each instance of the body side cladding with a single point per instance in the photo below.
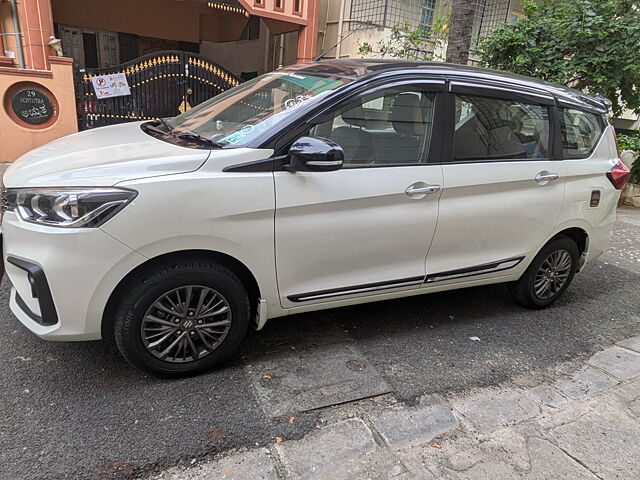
(492, 267)
(367, 287)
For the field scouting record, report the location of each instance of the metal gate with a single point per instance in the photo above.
(162, 84)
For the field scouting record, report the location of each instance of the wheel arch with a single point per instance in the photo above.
(578, 235)
(245, 275)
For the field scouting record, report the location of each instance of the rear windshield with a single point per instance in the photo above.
(241, 114)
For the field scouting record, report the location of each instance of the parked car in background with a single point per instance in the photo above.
(315, 186)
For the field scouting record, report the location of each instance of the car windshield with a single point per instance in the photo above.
(238, 116)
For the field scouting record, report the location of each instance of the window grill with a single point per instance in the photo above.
(488, 15)
(387, 13)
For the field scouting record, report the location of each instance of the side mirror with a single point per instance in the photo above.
(315, 154)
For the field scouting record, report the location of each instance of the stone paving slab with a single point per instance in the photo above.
(401, 426)
(617, 361)
(606, 441)
(252, 465)
(628, 397)
(493, 409)
(318, 377)
(344, 450)
(587, 381)
(632, 343)
(547, 396)
(548, 462)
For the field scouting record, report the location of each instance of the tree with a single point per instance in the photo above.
(410, 43)
(460, 30)
(591, 45)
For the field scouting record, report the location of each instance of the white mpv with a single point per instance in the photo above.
(314, 186)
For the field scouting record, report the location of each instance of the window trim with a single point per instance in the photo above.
(504, 92)
(430, 85)
(603, 128)
(501, 93)
(300, 8)
(278, 8)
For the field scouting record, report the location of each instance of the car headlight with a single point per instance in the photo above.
(66, 207)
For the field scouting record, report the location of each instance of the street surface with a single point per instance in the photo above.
(77, 410)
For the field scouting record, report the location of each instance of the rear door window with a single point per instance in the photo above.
(499, 129)
(580, 132)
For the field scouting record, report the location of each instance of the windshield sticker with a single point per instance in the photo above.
(235, 137)
(295, 102)
(247, 129)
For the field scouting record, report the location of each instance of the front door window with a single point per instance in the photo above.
(390, 127)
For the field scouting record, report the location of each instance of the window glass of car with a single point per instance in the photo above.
(580, 132)
(388, 127)
(238, 116)
(499, 129)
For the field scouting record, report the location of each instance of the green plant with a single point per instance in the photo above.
(626, 142)
(410, 43)
(591, 45)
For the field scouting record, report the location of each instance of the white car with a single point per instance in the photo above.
(314, 186)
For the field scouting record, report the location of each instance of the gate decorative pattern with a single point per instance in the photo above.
(162, 84)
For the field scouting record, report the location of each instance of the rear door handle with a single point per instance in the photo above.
(419, 190)
(545, 177)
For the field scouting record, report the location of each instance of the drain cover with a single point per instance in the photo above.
(296, 381)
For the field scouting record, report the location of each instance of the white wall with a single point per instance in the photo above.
(242, 55)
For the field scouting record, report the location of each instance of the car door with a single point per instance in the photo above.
(503, 190)
(366, 228)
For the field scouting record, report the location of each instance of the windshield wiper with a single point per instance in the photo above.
(166, 125)
(197, 137)
(153, 126)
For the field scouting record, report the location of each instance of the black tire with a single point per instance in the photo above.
(142, 293)
(524, 290)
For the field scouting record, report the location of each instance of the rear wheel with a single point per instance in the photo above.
(181, 318)
(549, 274)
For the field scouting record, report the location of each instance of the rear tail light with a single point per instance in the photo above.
(619, 175)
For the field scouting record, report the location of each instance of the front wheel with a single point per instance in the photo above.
(181, 318)
(549, 274)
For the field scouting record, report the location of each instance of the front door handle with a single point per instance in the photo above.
(419, 190)
(545, 177)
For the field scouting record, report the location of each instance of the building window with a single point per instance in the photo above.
(259, 3)
(278, 5)
(297, 7)
(252, 30)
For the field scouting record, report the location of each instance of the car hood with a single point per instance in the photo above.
(102, 157)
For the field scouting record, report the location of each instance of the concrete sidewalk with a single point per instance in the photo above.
(579, 426)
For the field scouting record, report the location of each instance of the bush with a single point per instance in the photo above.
(626, 142)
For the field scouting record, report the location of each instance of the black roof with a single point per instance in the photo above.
(367, 68)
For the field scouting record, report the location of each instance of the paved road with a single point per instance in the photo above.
(79, 411)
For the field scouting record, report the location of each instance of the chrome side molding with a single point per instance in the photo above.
(498, 266)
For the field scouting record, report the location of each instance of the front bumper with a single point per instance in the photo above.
(62, 278)
(39, 291)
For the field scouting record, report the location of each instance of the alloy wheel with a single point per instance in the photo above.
(186, 324)
(552, 274)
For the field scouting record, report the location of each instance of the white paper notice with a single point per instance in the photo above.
(107, 86)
